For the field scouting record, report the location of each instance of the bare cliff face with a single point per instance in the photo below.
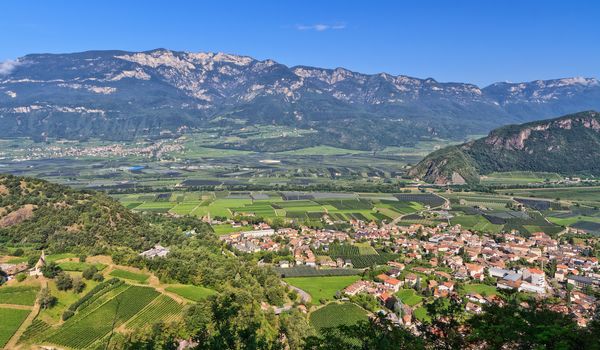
(517, 141)
(566, 145)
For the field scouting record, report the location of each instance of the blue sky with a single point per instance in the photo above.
(467, 41)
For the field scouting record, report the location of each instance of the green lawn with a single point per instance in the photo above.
(19, 295)
(184, 208)
(134, 276)
(322, 287)
(227, 229)
(11, 319)
(409, 297)
(334, 314)
(56, 257)
(482, 289)
(79, 266)
(190, 292)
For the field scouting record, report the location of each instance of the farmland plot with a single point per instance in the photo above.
(81, 332)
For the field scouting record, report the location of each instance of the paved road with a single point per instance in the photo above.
(305, 297)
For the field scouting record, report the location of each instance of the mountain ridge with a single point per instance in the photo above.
(122, 95)
(567, 145)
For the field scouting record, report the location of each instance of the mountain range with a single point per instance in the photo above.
(118, 95)
(568, 145)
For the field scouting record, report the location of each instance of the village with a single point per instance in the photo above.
(439, 262)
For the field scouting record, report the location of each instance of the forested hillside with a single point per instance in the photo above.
(567, 145)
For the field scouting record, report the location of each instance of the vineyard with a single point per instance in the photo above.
(363, 261)
(80, 332)
(307, 271)
(21, 295)
(334, 315)
(163, 309)
(128, 275)
(343, 251)
(34, 330)
(11, 320)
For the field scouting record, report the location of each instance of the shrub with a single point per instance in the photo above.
(67, 314)
(21, 277)
(18, 252)
(47, 300)
(51, 270)
(98, 277)
(89, 272)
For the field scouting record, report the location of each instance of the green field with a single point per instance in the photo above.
(190, 292)
(482, 289)
(409, 297)
(18, 295)
(56, 257)
(322, 287)
(586, 195)
(185, 208)
(10, 321)
(271, 205)
(79, 266)
(162, 309)
(518, 177)
(81, 332)
(334, 315)
(227, 229)
(134, 276)
(476, 223)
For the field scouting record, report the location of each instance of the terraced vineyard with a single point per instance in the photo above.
(134, 276)
(80, 332)
(162, 309)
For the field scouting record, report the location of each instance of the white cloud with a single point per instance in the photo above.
(321, 27)
(8, 66)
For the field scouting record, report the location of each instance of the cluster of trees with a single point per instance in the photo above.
(234, 320)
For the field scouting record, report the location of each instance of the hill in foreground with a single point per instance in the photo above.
(567, 145)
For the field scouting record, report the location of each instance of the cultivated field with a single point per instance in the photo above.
(322, 288)
(19, 295)
(190, 292)
(334, 314)
(10, 321)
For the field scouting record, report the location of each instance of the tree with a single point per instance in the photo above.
(233, 319)
(51, 270)
(98, 277)
(64, 281)
(46, 299)
(89, 272)
(377, 333)
(78, 285)
(18, 252)
(444, 330)
(535, 327)
(295, 327)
